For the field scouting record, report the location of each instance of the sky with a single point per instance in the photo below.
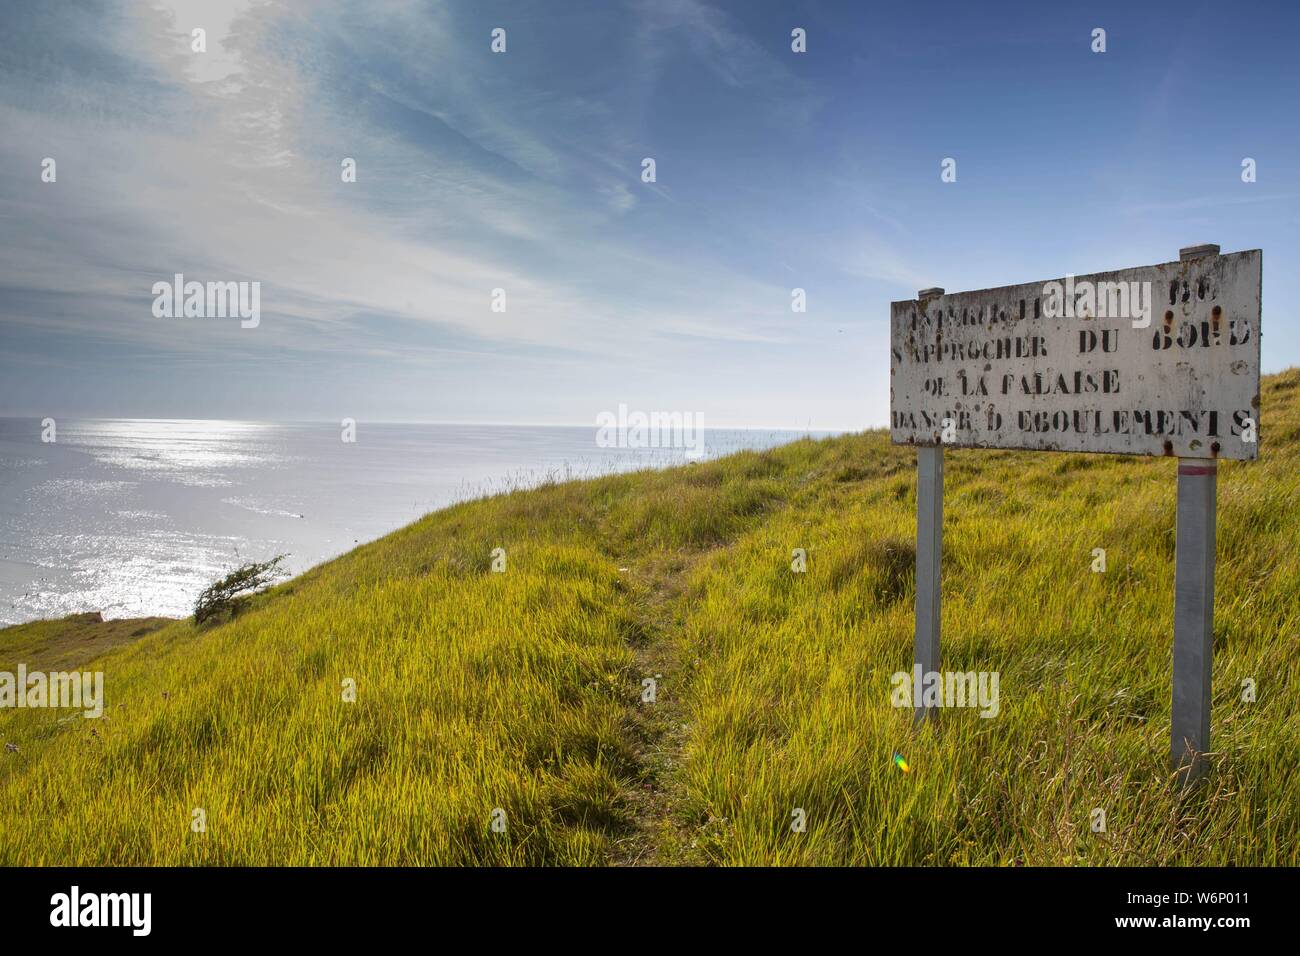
(523, 171)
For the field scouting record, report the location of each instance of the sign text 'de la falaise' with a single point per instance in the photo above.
(1155, 360)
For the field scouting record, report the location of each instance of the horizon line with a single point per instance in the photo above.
(421, 421)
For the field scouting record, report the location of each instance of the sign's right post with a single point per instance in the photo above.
(1193, 603)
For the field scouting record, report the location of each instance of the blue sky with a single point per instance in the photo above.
(522, 171)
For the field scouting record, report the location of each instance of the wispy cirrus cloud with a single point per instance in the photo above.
(233, 172)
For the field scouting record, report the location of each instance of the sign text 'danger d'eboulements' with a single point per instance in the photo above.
(1157, 360)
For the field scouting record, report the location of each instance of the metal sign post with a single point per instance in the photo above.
(1193, 616)
(929, 555)
(1193, 602)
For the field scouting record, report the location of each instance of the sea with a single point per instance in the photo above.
(133, 517)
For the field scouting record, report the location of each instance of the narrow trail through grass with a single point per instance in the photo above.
(658, 720)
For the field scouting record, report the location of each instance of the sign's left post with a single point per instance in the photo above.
(929, 554)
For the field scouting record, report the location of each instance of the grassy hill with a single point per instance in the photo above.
(520, 691)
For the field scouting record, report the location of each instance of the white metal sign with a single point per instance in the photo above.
(1159, 360)
(1155, 360)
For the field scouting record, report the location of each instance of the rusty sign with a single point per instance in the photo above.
(1154, 360)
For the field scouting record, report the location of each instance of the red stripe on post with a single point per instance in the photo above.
(1211, 469)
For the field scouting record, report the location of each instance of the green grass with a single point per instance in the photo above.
(70, 642)
(520, 690)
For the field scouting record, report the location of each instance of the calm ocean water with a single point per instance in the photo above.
(136, 517)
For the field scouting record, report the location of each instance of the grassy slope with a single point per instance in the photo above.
(520, 690)
(70, 642)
